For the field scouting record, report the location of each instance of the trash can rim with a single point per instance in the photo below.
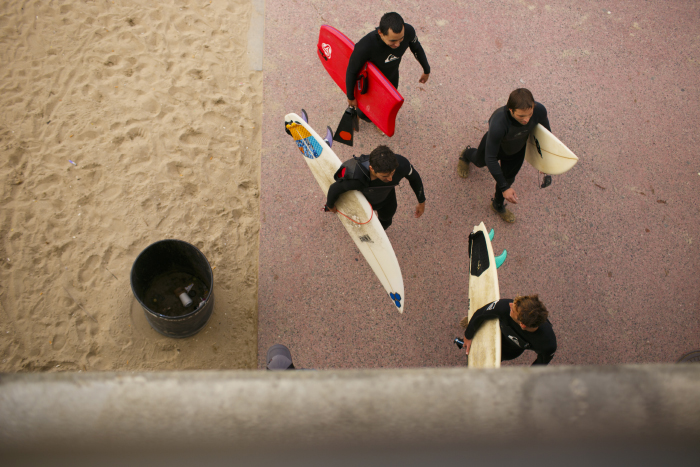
(148, 309)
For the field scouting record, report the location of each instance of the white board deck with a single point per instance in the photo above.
(370, 237)
(555, 157)
(486, 345)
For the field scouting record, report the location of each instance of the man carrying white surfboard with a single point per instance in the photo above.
(506, 142)
(384, 47)
(524, 326)
(377, 175)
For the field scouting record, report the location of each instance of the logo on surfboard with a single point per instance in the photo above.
(327, 50)
(306, 143)
(396, 298)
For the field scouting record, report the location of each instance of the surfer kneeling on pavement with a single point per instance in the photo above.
(524, 326)
(505, 142)
(384, 47)
(377, 175)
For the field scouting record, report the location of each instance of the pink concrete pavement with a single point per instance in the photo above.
(611, 247)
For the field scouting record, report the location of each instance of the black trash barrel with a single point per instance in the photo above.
(173, 282)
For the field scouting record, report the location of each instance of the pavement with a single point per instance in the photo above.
(611, 247)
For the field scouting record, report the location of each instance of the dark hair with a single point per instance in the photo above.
(383, 160)
(391, 20)
(531, 311)
(521, 98)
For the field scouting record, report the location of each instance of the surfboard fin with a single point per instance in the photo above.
(500, 259)
(491, 233)
(329, 137)
(304, 116)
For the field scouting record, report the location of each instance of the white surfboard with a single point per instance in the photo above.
(547, 154)
(483, 289)
(366, 230)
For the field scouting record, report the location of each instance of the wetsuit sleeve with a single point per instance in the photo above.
(542, 116)
(546, 347)
(544, 357)
(493, 144)
(417, 184)
(479, 316)
(338, 188)
(418, 51)
(360, 55)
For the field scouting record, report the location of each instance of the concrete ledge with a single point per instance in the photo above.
(256, 35)
(238, 409)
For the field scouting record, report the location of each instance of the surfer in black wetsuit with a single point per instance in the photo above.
(384, 47)
(377, 175)
(505, 142)
(524, 326)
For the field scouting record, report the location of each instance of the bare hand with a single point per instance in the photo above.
(352, 103)
(467, 345)
(420, 208)
(424, 78)
(510, 196)
(333, 209)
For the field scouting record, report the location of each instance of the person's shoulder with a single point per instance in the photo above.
(504, 304)
(547, 330)
(368, 39)
(409, 32)
(404, 164)
(540, 108)
(499, 116)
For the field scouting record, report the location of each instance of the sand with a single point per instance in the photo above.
(158, 106)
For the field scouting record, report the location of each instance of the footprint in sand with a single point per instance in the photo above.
(136, 133)
(112, 60)
(89, 269)
(45, 184)
(217, 119)
(193, 137)
(111, 192)
(196, 74)
(58, 341)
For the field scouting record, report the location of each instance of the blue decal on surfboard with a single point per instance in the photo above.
(396, 298)
(310, 147)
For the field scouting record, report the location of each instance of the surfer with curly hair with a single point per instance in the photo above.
(377, 175)
(384, 47)
(524, 326)
(502, 149)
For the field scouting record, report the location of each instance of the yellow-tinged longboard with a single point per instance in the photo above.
(362, 225)
(483, 289)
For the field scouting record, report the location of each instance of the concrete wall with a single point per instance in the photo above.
(259, 412)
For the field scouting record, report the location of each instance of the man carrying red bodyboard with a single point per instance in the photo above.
(384, 47)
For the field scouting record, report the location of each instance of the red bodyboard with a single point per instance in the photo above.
(382, 101)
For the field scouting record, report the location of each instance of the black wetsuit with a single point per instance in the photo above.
(514, 339)
(371, 48)
(506, 142)
(381, 195)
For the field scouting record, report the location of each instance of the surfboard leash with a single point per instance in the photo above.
(325, 208)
